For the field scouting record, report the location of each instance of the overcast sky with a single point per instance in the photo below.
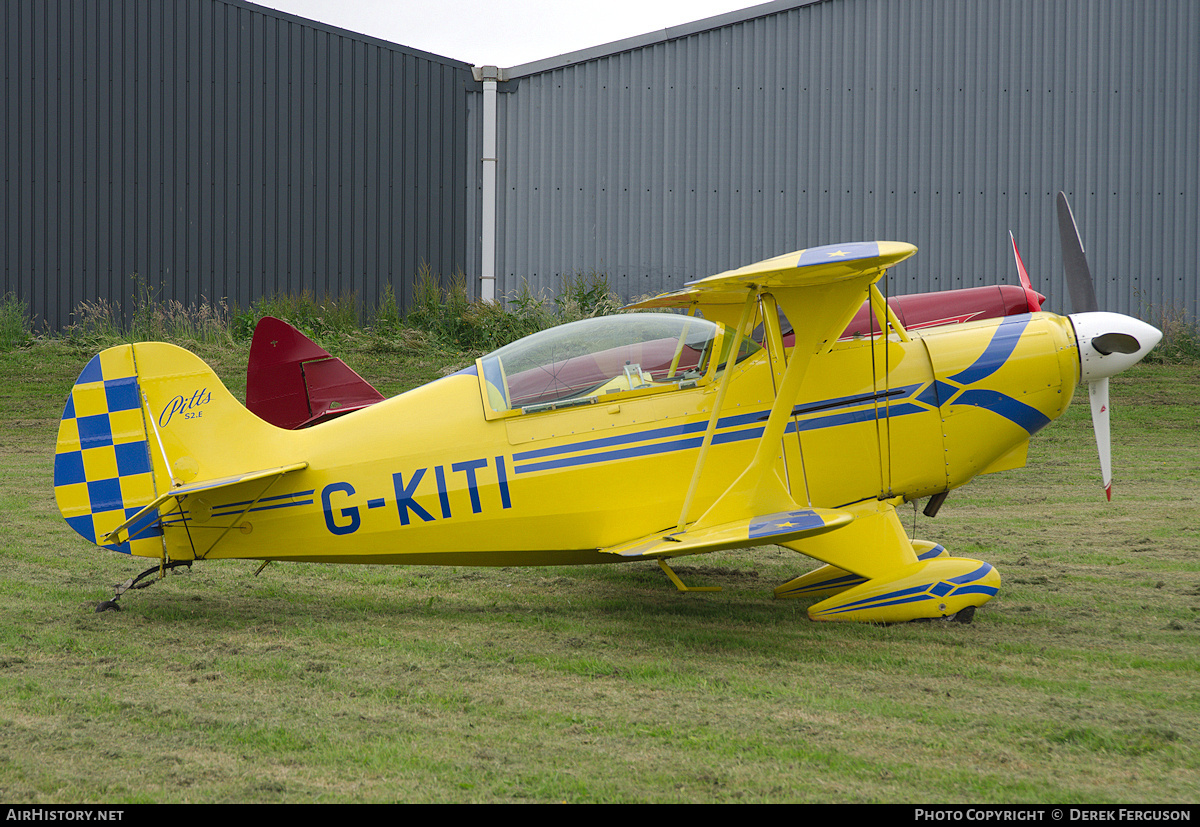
(509, 33)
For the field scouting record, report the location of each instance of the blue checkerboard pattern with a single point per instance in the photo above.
(102, 466)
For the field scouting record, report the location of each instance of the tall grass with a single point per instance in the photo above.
(318, 317)
(16, 328)
(441, 314)
(476, 325)
(1180, 343)
(584, 295)
(150, 318)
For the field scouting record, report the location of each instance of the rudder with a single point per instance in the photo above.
(103, 470)
(143, 420)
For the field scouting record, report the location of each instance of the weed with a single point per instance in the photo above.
(1180, 343)
(100, 323)
(317, 318)
(453, 318)
(15, 327)
(387, 315)
(489, 325)
(442, 316)
(456, 295)
(426, 308)
(585, 295)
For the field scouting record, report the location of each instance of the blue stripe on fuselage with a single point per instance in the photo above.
(729, 429)
(909, 399)
(1002, 345)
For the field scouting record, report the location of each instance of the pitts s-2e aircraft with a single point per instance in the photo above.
(631, 437)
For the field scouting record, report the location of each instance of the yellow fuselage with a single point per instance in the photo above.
(427, 478)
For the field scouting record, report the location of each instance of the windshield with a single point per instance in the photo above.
(578, 363)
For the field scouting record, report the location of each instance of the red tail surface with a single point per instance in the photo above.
(292, 382)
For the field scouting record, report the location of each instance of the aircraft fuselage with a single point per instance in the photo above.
(393, 483)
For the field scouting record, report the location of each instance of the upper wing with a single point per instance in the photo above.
(858, 263)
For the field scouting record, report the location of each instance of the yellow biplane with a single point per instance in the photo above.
(640, 436)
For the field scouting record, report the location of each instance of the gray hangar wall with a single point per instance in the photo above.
(221, 150)
(681, 153)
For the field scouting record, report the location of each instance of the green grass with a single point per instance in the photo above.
(1079, 683)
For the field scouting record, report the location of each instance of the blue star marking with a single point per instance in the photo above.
(785, 522)
(838, 252)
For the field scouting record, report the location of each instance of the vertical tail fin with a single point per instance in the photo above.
(142, 421)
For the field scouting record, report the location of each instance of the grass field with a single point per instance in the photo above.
(1079, 683)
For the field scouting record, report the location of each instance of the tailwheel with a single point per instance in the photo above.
(139, 582)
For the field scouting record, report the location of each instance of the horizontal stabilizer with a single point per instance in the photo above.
(755, 531)
(208, 485)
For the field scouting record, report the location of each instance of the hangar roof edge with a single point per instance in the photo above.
(337, 30)
(651, 38)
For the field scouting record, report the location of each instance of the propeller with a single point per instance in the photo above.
(1108, 342)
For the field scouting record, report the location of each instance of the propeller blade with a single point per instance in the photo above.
(1033, 298)
(1079, 277)
(1108, 343)
(1098, 395)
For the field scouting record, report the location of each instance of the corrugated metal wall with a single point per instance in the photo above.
(220, 149)
(940, 122)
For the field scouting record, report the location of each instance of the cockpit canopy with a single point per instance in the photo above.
(585, 361)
